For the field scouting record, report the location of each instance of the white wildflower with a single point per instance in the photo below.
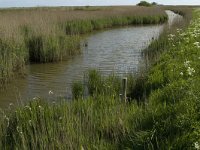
(181, 73)
(35, 98)
(28, 107)
(179, 30)
(190, 71)
(196, 145)
(197, 44)
(186, 63)
(171, 35)
(50, 92)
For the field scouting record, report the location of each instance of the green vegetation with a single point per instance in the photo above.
(184, 11)
(77, 90)
(168, 119)
(154, 3)
(41, 35)
(146, 4)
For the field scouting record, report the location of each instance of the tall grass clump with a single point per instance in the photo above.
(52, 48)
(12, 59)
(97, 84)
(77, 90)
(100, 85)
(94, 123)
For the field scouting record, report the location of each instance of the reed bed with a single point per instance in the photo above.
(168, 119)
(40, 35)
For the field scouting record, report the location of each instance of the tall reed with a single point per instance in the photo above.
(40, 35)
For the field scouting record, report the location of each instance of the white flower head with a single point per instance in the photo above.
(28, 107)
(197, 44)
(181, 73)
(190, 71)
(51, 92)
(196, 145)
(41, 108)
(171, 35)
(35, 98)
(187, 63)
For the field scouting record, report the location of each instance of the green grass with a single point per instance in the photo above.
(168, 119)
(86, 26)
(12, 59)
(43, 49)
(42, 35)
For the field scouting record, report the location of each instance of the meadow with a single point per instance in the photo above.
(163, 112)
(42, 35)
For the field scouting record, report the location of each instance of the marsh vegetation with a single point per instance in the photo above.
(41, 35)
(163, 111)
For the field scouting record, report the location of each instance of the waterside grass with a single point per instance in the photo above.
(41, 35)
(168, 119)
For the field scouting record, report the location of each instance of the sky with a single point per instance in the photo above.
(32, 3)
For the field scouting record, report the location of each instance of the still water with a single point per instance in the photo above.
(111, 51)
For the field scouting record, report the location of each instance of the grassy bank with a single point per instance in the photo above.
(40, 35)
(158, 46)
(169, 119)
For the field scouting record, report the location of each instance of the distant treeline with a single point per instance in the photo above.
(147, 4)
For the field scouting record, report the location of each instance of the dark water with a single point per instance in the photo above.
(116, 50)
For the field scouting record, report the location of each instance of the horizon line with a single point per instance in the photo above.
(40, 6)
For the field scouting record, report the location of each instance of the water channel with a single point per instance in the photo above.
(110, 51)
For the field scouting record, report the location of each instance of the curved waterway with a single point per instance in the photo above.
(111, 51)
